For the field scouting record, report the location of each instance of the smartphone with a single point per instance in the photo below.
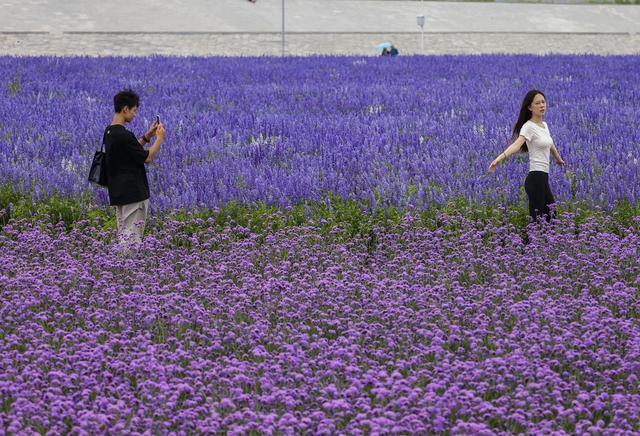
(157, 119)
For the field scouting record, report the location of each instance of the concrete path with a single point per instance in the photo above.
(259, 44)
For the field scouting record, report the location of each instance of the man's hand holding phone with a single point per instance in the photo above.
(160, 131)
(154, 128)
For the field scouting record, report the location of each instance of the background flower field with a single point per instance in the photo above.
(326, 253)
(414, 131)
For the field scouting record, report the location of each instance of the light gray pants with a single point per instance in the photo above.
(131, 220)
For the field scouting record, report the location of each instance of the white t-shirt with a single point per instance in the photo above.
(539, 143)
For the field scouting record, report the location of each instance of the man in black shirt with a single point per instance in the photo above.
(126, 174)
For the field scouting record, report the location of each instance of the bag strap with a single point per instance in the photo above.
(103, 147)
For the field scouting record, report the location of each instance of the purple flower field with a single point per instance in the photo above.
(460, 329)
(437, 322)
(404, 131)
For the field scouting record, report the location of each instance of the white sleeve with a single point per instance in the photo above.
(526, 131)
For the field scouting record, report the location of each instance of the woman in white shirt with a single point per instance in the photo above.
(531, 134)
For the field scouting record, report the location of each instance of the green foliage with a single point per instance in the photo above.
(350, 217)
(19, 205)
(8, 199)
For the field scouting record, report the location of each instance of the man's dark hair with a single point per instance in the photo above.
(126, 98)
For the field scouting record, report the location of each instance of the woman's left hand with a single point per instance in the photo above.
(493, 165)
(560, 162)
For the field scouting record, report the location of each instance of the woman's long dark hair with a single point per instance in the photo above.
(525, 115)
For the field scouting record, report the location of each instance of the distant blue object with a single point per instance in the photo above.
(383, 45)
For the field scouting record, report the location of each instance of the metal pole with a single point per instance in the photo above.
(422, 27)
(282, 27)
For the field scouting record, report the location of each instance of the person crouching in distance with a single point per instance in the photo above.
(531, 134)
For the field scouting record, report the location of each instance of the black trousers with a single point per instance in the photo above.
(540, 197)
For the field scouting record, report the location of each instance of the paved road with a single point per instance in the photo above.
(239, 27)
(331, 16)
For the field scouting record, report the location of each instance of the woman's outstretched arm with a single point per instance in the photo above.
(556, 155)
(513, 148)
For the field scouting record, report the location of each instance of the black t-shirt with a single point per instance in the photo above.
(126, 173)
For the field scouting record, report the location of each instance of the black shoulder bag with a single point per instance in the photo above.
(98, 171)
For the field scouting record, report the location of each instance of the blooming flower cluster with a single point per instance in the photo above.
(404, 131)
(459, 328)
